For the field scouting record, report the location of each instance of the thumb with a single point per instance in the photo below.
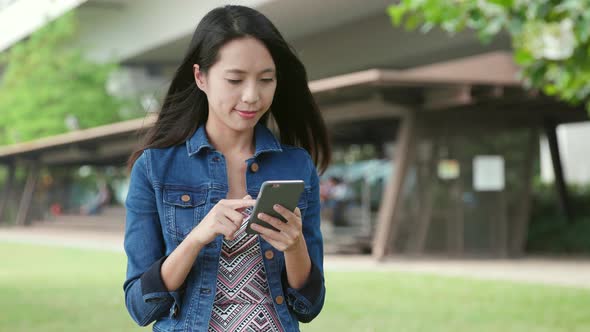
(247, 197)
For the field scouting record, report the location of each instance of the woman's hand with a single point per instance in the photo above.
(223, 219)
(289, 236)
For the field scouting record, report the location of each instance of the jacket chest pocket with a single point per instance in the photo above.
(184, 208)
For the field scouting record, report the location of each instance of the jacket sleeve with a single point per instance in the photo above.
(146, 297)
(307, 302)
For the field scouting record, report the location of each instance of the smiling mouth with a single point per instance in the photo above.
(247, 114)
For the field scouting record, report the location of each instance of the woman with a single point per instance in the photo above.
(191, 266)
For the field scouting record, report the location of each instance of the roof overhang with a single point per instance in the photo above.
(487, 83)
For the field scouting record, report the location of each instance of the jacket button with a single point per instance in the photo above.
(269, 254)
(185, 198)
(279, 299)
(254, 167)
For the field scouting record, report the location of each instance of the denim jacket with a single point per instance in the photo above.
(171, 190)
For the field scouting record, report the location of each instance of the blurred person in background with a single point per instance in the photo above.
(338, 199)
(102, 198)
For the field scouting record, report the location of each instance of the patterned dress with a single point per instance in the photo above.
(242, 300)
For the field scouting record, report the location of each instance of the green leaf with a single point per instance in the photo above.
(491, 29)
(413, 21)
(582, 30)
(396, 12)
(550, 89)
(523, 58)
(503, 3)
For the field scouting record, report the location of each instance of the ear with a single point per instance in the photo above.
(199, 77)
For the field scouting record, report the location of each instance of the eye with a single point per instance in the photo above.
(267, 80)
(234, 81)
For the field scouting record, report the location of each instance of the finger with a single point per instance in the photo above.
(227, 228)
(286, 213)
(274, 222)
(247, 197)
(270, 233)
(233, 215)
(238, 203)
(220, 228)
(287, 231)
(276, 244)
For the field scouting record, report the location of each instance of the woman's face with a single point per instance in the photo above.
(240, 86)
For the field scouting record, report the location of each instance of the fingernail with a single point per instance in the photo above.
(276, 206)
(261, 215)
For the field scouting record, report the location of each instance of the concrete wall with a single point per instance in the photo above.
(20, 18)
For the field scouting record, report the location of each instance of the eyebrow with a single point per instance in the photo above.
(239, 71)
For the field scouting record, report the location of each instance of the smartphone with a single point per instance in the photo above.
(285, 193)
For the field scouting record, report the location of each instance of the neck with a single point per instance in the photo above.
(229, 141)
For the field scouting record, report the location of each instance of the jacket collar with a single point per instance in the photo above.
(264, 139)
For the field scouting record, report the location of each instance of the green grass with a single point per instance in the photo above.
(63, 289)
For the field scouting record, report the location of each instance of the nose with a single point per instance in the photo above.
(250, 94)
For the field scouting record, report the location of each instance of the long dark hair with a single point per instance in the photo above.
(185, 106)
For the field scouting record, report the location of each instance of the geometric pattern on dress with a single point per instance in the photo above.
(242, 299)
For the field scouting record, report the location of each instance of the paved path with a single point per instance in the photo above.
(552, 271)
(565, 272)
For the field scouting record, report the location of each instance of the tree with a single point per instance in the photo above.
(48, 86)
(551, 38)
